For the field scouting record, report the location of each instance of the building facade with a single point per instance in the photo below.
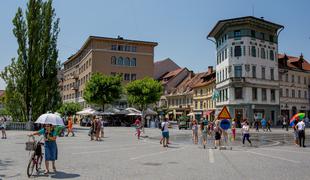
(131, 59)
(247, 67)
(203, 104)
(294, 78)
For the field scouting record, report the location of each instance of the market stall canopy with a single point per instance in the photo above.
(110, 111)
(149, 111)
(88, 111)
(130, 112)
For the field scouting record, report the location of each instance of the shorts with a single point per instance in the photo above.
(217, 136)
(165, 134)
(50, 150)
(204, 136)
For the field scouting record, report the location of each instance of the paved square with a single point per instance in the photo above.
(121, 156)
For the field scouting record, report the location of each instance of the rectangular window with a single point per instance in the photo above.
(264, 94)
(305, 80)
(253, 51)
(271, 38)
(280, 77)
(225, 53)
(133, 77)
(299, 93)
(127, 77)
(237, 33)
(271, 55)
(254, 94)
(263, 73)
(273, 94)
(262, 53)
(286, 77)
(238, 93)
(281, 92)
(262, 35)
(298, 79)
(252, 33)
(254, 71)
(293, 78)
(231, 52)
(244, 51)
(305, 95)
(238, 71)
(226, 94)
(237, 51)
(134, 49)
(287, 93)
(114, 47)
(293, 93)
(272, 74)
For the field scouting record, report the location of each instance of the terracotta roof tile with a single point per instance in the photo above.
(292, 62)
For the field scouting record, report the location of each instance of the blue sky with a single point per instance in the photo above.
(179, 26)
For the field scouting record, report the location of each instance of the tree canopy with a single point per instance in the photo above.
(69, 108)
(31, 78)
(144, 92)
(102, 89)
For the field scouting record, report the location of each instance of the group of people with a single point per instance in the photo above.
(3, 127)
(210, 131)
(299, 132)
(96, 130)
(266, 125)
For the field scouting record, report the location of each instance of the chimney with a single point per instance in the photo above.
(191, 74)
(210, 69)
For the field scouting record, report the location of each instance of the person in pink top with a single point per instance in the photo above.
(138, 127)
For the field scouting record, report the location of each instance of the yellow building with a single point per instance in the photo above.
(203, 105)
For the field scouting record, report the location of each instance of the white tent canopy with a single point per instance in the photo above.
(130, 112)
(88, 111)
(110, 111)
(149, 111)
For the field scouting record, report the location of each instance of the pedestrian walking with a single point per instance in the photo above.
(269, 125)
(165, 132)
(3, 128)
(92, 129)
(295, 132)
(264, 124)
(138, 127)
(98, 129)
(102, 128)
(246, 132)
(204, 133)
(210, 131)
(50, 145)
(256, 125)
(217, 134)
(301, 132)
(195, 132)
(70, 127)
(284, 123)
(233, 129)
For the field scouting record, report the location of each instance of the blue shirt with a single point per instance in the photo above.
(264, 122)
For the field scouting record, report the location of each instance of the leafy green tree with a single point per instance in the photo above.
(70, 108)
(31, 78)
(144, 92)
(101, 89)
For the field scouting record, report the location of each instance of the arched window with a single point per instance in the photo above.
(127, 61)
(113, 60)
(133, 62)
(120, 61)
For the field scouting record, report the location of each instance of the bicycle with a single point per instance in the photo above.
(36, 156)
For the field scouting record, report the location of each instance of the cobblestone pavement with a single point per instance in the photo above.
(121, 156)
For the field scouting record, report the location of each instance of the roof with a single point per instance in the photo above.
(163, 67)
(293, 62)
(173, 73)
(204, 82)
(220, 24)
(188, 83)
(108, 39)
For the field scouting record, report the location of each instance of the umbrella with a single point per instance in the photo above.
(299, 116)
(50, 118)
(149, 111)
(88, 111)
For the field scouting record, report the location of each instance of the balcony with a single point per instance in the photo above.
(237, 79)
(75, 76)
(75, 87)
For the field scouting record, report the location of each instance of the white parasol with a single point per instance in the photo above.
(50, 118)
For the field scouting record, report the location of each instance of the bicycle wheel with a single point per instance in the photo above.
(39, 162)
(30, 166)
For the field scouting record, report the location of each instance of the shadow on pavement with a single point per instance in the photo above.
(3, 166)
(64, 175)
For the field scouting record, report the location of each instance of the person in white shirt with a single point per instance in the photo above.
(301, 132)
(246, 132)
(165, 132)
(3, 127)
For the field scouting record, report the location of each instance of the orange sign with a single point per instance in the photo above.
(224, 114)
